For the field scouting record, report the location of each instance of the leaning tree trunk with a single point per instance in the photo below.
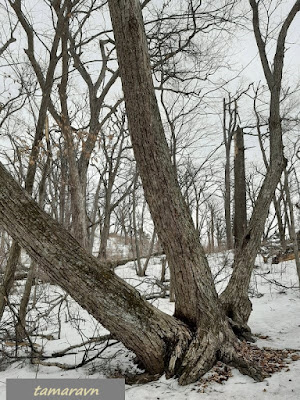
(151, 334)
(161, 342)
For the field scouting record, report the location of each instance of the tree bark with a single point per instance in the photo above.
(9, 275)
(240, 209)
(77, 190)
(21, 324)
(151, 334)
(227, 195)
(173, 222)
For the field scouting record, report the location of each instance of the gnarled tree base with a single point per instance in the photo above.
(217, 345)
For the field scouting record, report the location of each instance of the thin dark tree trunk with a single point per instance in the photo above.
(227, 197)
(281, 225)
(105, 231)
(9, 275)
(240, 208)
(78, 201)
(136, 242)
(150, 252)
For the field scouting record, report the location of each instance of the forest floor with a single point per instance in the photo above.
(58, 323)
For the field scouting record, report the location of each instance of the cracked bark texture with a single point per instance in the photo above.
(196, 297)
(151, 334)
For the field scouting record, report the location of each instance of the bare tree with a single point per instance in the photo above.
(189, 343)
(47, 83)
(235, 297)
(203, 329)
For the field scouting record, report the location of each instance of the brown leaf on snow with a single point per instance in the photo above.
(295, 357)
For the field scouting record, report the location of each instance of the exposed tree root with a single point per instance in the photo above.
(222, 345)
(177, 352)
(205, 350)
(238, 310)
(242, 331)
(139, 379)
(243, 359)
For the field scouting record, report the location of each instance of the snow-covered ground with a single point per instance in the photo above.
(275, 320)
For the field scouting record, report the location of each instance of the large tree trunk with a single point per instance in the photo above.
(196, 297)
(151, 334)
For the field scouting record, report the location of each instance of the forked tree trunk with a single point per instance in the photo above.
(188, 348)
(188, 345)
(161, 342)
